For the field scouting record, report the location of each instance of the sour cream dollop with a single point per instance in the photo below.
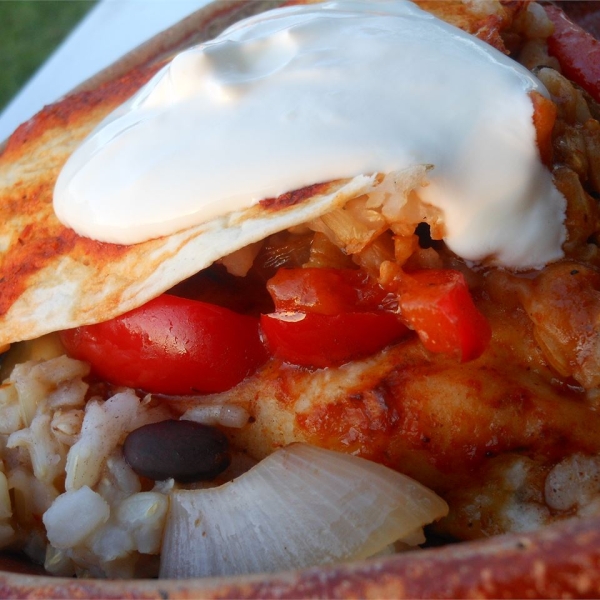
(307, 94)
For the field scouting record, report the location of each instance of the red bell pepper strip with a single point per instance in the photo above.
(326, 317)
(437, 304)
(319, 341)
(328, 291)
(171, 345)
(577, 51)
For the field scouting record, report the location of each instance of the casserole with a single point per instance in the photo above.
(582, 374)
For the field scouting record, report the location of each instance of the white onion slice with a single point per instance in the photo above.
(299, 507)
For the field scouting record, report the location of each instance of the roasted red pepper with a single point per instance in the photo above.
(328, 291)
(316, 340)
(326, 317)
(437, 304)
(577, 51)
(171, 345)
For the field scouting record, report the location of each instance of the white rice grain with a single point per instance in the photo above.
(74, 516)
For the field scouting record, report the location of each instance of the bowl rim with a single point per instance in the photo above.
(560, 560)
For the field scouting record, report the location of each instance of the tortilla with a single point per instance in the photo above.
(53, 279)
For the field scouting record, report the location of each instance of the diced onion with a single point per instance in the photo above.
(299, 507)
(227, 415)
(351, 230)
(238, 263)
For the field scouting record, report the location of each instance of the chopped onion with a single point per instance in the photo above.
(227, 415)
(301, 506)
(352, 227)
(325, 254)
(238, 263)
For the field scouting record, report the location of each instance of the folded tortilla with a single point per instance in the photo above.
(53, 279)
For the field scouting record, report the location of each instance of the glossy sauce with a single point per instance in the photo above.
(309, 94)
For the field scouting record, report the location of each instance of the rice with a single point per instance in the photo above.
(67, 496)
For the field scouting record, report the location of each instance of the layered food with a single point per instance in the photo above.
(319, 283)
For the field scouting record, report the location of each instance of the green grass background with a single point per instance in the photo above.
(29, 31)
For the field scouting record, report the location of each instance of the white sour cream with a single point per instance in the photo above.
(307, 94)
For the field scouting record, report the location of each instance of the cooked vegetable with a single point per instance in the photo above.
(544, 118)
(171, 345)
(314, 340)
(325, 317)
(438, 305)
(577, 51)
(328, 291)
(301, 506)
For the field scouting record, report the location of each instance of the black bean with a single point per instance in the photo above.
(184, 450)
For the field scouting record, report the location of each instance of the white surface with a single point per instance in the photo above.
(111, 29)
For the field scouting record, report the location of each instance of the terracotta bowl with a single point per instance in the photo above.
(562, 560)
